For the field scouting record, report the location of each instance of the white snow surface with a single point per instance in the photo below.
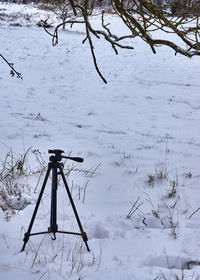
(141, 131)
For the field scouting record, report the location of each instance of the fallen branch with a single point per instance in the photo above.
(13, 72)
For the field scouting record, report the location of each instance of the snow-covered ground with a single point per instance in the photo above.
(139, 137)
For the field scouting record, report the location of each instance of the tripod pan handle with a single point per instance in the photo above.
(78, 159)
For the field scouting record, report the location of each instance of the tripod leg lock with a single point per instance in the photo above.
(26, 237)
(85, 238)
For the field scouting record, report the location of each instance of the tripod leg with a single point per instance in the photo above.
(83, 234)
(53, 219)
(27, 234)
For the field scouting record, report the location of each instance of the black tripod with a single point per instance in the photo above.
(57, 169)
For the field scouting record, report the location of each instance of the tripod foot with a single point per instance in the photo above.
(87, 246)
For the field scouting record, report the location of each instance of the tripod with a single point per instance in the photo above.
(57, 169)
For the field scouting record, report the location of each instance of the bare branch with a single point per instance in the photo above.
(13, 72)
(152, 15)
(87, 27)
(143, 19)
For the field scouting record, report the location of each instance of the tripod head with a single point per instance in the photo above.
(58, 156)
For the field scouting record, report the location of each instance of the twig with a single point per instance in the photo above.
(132, 211)
(43, 275)
(13, 71)
(84, 190)
(194, 213)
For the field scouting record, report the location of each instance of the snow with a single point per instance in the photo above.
(139, 137)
